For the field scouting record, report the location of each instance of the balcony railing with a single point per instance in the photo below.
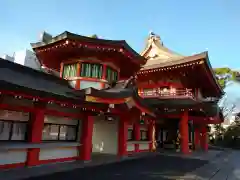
(165, 94)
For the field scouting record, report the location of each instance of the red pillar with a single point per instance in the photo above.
(183, 128)
(137, 135)
(204, 138)
(122, 136)
(150, 135)
(35, 135)
(196, 138)
(86, 138)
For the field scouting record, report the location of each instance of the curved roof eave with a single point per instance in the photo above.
(69, 35)
(213, 74)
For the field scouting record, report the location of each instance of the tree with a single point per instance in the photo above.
(224, 75)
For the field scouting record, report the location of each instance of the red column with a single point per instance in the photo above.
(86, 138)
(137, 135)
(122, 136)
(150, 135)
(35, 135)
(196, 138)
(104, 75)
(204, 138)
(183, 128)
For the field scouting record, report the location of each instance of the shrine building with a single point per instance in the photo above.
(100, 97)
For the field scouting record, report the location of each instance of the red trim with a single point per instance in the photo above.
(183, 128)
(77, 85)
(94, 61)
(32, 109)
(17, 108)
(86, 138)
(137, 135)
(47, 161)
(61, 69)
(36, 127)
(144, 150)
(160, 84)
(131, 152)
(43, 99)
(122, 135)
(11, 166)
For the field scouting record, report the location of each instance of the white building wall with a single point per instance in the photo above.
(105, 136)
(27, 58)
(7, 57)
(13, 156)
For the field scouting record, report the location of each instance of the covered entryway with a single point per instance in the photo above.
(105, 136)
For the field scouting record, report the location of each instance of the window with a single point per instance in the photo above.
(130, 135)
(91, 70)
(59, 132)
(112, 75)
(13, 130)
(69, 70)
(143, 135)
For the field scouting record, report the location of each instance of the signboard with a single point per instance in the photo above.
(14, 115)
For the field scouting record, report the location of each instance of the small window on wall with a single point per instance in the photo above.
(91, 70)
(130, 134)
(57, 132)
(69, 70)
(143, 135)
(13, 131)
(112, 75)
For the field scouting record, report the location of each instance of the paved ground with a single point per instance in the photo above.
(159, 167)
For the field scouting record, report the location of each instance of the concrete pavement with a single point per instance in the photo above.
(168, 165)
(159, 167)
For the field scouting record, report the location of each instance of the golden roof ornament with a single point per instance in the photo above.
(154, 37)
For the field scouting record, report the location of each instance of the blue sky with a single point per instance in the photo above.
(185, 26)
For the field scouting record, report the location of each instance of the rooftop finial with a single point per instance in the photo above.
(154, 37)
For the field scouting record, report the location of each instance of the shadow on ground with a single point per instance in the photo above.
(159, 167)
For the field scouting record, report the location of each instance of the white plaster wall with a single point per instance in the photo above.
(105, 136)
(12, 157)
(144, 146)
(57, 153)
(87, 84)
(130, 147)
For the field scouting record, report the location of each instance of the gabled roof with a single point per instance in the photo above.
(177, 61)
(157, 53)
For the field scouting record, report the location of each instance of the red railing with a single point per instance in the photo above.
(164, 94)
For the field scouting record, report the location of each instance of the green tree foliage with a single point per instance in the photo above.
(224, 75)
(94, 36)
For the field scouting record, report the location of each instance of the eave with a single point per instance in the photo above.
(120, 46)
(197, 59)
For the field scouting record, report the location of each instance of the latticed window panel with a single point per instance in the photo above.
(112, 75)
(69, 70)
(91, 70)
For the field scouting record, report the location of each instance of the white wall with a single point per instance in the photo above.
(58, 153)
(105, 136)
(7, 57)
(13, 156)
(27, 58)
